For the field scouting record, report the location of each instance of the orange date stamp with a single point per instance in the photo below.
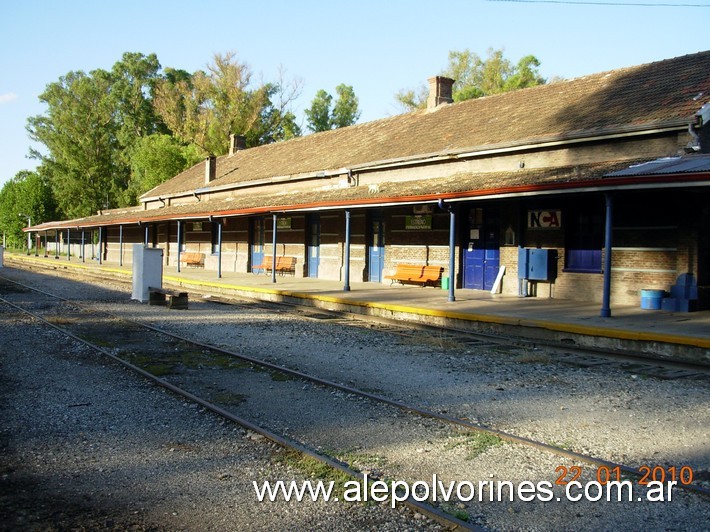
(604, 474)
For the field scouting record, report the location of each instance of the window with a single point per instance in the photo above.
(585, 239)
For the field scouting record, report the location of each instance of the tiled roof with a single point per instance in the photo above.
(665, 93)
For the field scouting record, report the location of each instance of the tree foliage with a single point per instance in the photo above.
(80, 134)
(109, 136)
(344, 113)
(206, 107)
(318, 114)
(92, 123)
(475, 77)
(28, 194)
(133, 78)
(155, 159)
(346, 109)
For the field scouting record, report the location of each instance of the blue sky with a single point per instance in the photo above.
(378, 47)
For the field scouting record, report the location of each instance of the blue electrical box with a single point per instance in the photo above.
(537, 264)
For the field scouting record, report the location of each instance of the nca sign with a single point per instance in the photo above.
(544, 219)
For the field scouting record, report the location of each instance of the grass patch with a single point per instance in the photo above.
(363, 462)
(186, 360)
(279, 376)
(476, 443)
(315, 469)
(221, 361)
(458, 514)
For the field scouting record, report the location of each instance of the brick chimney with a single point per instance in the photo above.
(236, 143)
(210, 169)
(440, 91)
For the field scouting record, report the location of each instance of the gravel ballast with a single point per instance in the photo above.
(88, 445)
(620, 416)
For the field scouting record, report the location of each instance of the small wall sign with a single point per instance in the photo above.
(545, 219)
(283, 223)
(419, 221)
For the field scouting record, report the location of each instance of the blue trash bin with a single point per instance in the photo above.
(651, 299)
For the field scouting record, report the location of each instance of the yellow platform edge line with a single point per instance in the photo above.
(570, 328)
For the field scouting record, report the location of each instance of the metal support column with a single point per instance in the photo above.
(146, 235)
(56, 243)
(68, 244)
(83, 246)
(38, 242)
(606, 296)
(452, 252)
(46, 244)
(179, 244)
(120, 245)
(101, 246)
(219, 249)
(273, 252)
(346, 287)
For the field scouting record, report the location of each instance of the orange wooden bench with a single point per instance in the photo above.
(411, 273)
(192, 259)
(283, 265)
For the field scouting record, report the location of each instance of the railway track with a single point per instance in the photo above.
(567, 353)
(147, 370)
(71, 319)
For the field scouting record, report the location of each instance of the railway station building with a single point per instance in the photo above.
(581, 189)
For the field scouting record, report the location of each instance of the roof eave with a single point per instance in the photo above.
(600, 184)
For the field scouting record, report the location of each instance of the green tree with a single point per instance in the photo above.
(344, 113)
(318, 114)
(276, 122)
(207, 107)
(26, 194)
(155, 159)
(95, 128)
(346, 109)
(526, 74)
(79, 131)
(133, 78)
(92, 123)
(475, 77)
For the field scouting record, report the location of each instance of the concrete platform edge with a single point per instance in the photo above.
(642, 342)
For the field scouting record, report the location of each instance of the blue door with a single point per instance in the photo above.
(376, 251)
(313, 245)
(481, 257)
(257, 242)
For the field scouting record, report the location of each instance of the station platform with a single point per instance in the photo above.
(630, 329)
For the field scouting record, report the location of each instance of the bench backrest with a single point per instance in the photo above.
(432, 273)
(285, 263)
(409, 269)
